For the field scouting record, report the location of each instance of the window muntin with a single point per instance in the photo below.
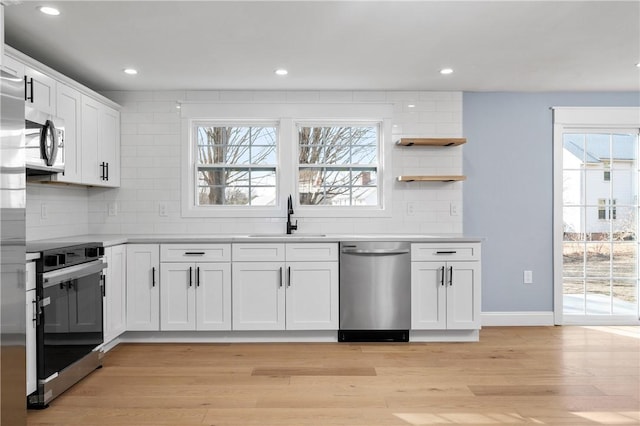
(236, 164)
(338, 165)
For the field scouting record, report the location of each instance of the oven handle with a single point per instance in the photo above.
(72, 273)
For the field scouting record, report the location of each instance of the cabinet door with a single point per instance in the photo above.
(41, 91)
(463, 297)
(258, 296)
(213, 296)
(31, 361)
(109, 146)
(12, 66)
(428, 296)
(115, 295)
(312, 296)
(143, 289)
(177, 296)
(68, 108)
(91, 170)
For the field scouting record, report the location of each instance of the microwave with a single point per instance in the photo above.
(44, 143)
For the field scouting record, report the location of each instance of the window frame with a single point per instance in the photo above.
(286, 116)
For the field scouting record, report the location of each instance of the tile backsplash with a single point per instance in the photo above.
(151, 171)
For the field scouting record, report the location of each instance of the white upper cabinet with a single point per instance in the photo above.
(100, 132)
(69, 109)
(12, 66)
(40, 90)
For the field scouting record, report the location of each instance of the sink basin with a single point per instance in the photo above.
(286, 235)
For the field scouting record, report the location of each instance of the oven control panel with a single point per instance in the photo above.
(68, 256)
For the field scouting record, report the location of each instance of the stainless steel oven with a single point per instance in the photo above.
(69, 328)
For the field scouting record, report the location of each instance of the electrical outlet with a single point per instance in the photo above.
(528, 277)
(113, 209)
(411, 209)
(162, 210)
(454, 209)
(44, 211)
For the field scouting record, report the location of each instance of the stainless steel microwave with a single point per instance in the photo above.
(44, 143)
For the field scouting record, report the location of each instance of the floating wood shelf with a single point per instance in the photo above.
(431, 141)
(430, 178)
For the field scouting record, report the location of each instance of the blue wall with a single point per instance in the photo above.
(508, 194)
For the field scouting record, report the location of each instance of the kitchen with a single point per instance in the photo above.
(149, 199)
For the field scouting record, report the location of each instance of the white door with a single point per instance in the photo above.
(177, 296)
(91, 170)
(428, 296)
(258, 296)
(463, 300)
(213, 296)
(143, 295)
(115, 295)
(41, 91)
(312, 296)
(109, 146)
(69, 106)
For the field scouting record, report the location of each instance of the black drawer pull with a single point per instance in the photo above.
(446, 252)
(194, 253)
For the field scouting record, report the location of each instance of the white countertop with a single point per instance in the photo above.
(112, 240)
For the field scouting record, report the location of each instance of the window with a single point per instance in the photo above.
(236, 164)
(338, 165)
(606, 209)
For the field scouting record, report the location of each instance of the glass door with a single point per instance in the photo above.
(600, 226)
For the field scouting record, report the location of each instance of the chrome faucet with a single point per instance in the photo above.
(290, 227)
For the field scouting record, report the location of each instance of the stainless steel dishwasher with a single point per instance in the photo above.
(375, 291)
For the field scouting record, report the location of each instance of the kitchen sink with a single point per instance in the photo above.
(299, 235)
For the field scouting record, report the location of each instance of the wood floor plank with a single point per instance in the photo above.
(569, 376)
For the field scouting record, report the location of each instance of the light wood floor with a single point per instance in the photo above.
(529, 375)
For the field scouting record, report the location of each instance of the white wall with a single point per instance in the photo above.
(151, 165)
(66, 209)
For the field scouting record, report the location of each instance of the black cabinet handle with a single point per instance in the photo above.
(442, 276)
(104, 285)
(198, 276)
(289, 276)
(281, 276)
(28, 83)
(446, 252)
(194, 253)
(190, 282)
(102, 171)
(450, 275)
(107, 175)
(153, 276)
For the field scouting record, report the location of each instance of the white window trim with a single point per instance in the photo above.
(287, 116)
(565, 120)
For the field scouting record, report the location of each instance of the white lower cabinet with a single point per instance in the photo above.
(143, 287)
(195, 295)
(115, 292)
(31, 361)
(270, 293)
(445, 286)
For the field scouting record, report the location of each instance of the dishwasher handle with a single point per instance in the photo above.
(375, 251)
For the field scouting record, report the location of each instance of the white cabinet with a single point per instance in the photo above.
(270, 292)
(445, 286)
(40, 90)
(143, 289)
(31, 362)
(100, 135)
(12, 66)
(69, 108)
(115, 295)
(195, 288)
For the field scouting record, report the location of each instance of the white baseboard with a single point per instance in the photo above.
(506, 319)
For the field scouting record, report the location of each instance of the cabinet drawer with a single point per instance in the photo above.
(445, 252)
(195, 252)
(311, 252)
(258, 252)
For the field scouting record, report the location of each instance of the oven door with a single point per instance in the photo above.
(70, 316)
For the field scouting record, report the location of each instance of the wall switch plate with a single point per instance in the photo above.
(528, 277)
(44, 211)
(454, 209)
(162, 209)
(113, 209)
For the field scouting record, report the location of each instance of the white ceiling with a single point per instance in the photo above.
(336, 45)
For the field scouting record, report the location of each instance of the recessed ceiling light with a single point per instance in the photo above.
(281, 71)
(49, 10)
(130, 71)
(411, 106)
(638, 65)
(446, 71)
